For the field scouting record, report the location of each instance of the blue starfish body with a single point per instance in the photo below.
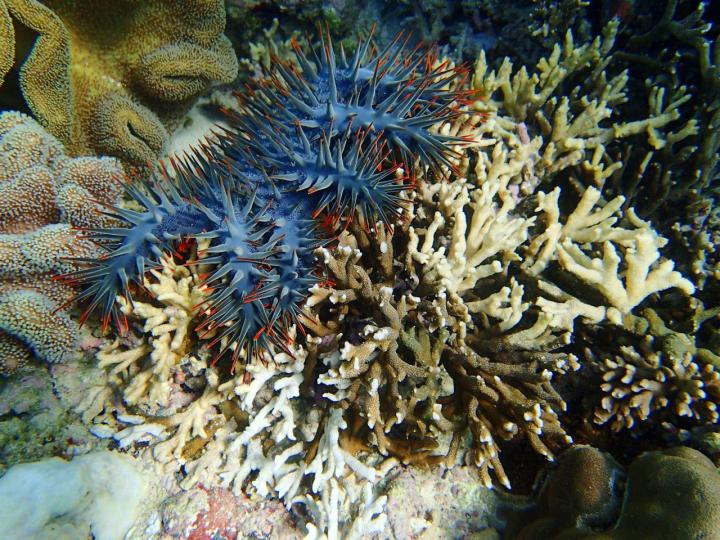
(310, 139)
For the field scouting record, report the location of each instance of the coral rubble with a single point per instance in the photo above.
(112, 77)
(43, 195)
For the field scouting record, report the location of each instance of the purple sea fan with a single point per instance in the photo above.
(323, 138)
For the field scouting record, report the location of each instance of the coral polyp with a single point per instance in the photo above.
(312, 145)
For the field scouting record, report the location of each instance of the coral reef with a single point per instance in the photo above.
(37, 237)
(685, 170)
(417, 295)
(573, 135)
(298, 148)
(112, 78)
(670, 494)
(629, 99)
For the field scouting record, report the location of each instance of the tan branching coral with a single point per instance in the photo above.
(413, 376)
(145, 371)
(43, 195)
(578, 123)
(665, 379)
(162, 399)
(375, 360)
(637, 385)
(111, 77)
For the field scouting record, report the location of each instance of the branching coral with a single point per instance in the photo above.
(572, 245)
(404, 363)
(168, 397)
(299, 149)
(445, 335)
(111, 77)
(577, 115)
(663, 380)
(43, 194)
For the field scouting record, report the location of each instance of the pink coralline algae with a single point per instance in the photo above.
(43, 195)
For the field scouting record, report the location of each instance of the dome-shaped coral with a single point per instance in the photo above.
(670, 494)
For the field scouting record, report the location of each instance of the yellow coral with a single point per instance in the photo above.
(43, 76)
(111, 77)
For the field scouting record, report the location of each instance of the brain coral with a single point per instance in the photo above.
(43, 194)
(670, 494)
(110, 77)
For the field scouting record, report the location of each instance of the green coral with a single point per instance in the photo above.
(33, 422)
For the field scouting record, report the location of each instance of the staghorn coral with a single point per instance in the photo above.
(687, 167)
(573, 102)
(515, 286)
(588, 103)
(405, 370)
(112, 77)
(37, 237)
(669, 494)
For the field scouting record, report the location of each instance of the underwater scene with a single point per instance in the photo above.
(373, 269)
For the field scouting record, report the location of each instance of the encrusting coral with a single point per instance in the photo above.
(450, 314)
(112, 77)
(43, 196)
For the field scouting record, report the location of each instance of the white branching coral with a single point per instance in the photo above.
(166, 321)
(219, 432)
(589, 246)
(306, 463)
